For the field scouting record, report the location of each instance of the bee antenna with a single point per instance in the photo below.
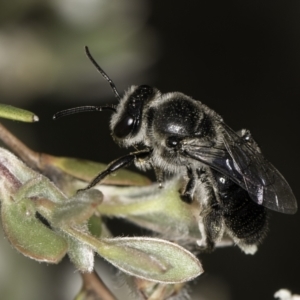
(80, 109)
(87, 51)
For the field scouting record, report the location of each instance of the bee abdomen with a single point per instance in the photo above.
(246, 219)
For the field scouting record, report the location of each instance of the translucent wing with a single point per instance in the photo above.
(247, 167)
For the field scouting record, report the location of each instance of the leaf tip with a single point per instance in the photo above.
(35, 118)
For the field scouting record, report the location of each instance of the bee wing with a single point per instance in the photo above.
(248, 168)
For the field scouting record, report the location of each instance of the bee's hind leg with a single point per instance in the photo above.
(211, 224)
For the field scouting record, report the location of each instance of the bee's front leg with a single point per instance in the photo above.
(117, 164)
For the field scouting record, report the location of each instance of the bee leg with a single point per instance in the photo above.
(117, 164)
(201, 173)
(211, 228)
(210, 221)
(188, 193)
(160, 176)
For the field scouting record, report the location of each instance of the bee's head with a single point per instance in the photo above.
(127, 123)
(127, 120)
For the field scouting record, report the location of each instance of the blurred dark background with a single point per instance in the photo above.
(240, 58)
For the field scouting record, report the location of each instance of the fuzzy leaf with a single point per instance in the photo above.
(82, 255)
(150, 258)
(154, 208)
(28, 235)
(76, 210)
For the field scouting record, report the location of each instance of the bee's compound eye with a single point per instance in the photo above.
(124, 127)
(172, 141)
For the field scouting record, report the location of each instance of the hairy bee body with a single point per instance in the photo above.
(178, 135)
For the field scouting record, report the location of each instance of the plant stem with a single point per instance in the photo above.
(93, 285)
(30, 157)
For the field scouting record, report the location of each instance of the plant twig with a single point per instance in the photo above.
(30, 157)
(94, 288)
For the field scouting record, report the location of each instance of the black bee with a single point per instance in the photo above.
(224, 170)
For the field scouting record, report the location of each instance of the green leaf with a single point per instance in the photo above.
(28, 235)
(17, 114)
(86, 170)
(154, 208)
(81, 255)
(150, 258)
(76, 210)
(95, 226)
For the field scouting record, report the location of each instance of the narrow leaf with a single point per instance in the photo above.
(17, 114)
(86, 170)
